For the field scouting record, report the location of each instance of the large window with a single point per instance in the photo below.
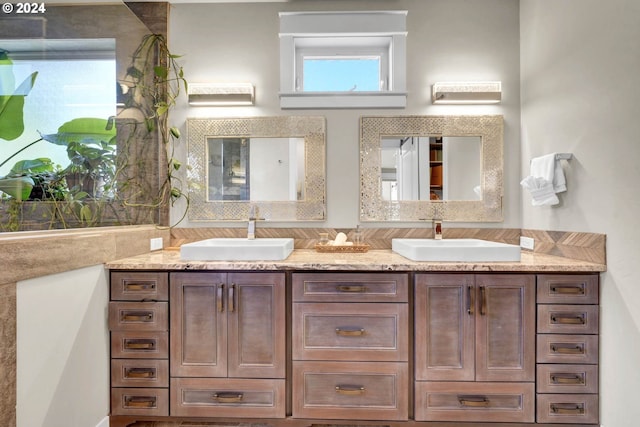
(343, 59)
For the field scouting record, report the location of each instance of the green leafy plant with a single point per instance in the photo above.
(12, 99)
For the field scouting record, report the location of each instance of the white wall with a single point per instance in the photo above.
(63, 350)
(580, 65)
(447, 40)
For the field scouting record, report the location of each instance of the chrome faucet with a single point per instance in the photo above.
(251, 225)
(437, 229)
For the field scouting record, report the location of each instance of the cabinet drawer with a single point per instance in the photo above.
(567, 379)
(140, 401)
(470, 401)
(138, 286)
(350, 287)
(139, 373)
(138, 316)
(350, 390)
(575, 349)
(372, 332)
(568, 288)
(568, 319)
(136, 345)
(567, 408)
(225, 397)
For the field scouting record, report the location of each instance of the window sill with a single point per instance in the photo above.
(340, 100)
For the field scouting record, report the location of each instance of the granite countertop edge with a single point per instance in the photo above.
(374, 260)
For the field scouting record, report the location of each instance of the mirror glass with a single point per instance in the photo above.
(415, 168)
(256, 169)
(431, 168)
(275, 165)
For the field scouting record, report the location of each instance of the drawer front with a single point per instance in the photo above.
(567, 408)
(567, 379)
(568, 288)
(568, 319)
(574, 349)
(350, 390)
(373, 332)
(138, 316)
(350, 287)
(136, 345)
(470, 401)
(138, 286)
(140, 401)
(139, 373)
(209, 397)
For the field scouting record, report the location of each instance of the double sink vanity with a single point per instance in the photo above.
(284, 336)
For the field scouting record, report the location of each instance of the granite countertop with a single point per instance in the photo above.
(374, 260)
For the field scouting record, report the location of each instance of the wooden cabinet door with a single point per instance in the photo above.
(256, 325)
(505, 327)
(445, 327)
(198, 325)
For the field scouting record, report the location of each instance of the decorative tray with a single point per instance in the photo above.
(343, 248)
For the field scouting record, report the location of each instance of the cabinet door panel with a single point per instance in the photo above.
(505, 324)
(445, 329)
(198, 325)
(257, 332)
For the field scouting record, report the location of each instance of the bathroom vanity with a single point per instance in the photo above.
(371, 339)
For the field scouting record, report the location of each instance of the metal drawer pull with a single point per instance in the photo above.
(140, 286)
(350, 332)
(471, 302)
(232, 297)
(567, 378)
(568, 319)
(139, 344)
(351, 288)
(140, 373)
(350, 390)
(483, 301)
(228, 397)
(219, 302)
(567, 348)
(140, 401)
(568, 289)
(567, 408)
(137, 316)
(474, 401)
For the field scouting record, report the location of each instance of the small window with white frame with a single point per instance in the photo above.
(343, 59)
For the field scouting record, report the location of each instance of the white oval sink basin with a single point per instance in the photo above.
(237, 249)
(469, 250)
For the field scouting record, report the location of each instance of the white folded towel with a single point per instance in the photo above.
(546, 179)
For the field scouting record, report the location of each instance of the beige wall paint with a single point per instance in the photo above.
(580, 66)
(447, 40)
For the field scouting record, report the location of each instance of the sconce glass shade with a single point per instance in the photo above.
(221, 94)
(466, 93)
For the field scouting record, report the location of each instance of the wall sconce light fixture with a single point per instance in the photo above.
(466, 93)
(221, 94)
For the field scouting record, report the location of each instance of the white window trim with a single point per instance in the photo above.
(299, 29)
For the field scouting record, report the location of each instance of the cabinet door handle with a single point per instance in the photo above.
(471, 301)
(567, 408)
(136, 316)
(140, 401)
(139, 373)
(474, 401)
(139, 286)
(220, 294)
(567, 378)
(139, 344)
(351, 288)
(228, 396)
(350, 332)
(483, 301)
(350, 390)
(232, 291)
(568, 289)
(568, 348)
(568, 318)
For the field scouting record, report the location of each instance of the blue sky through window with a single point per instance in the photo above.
(341, 75)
